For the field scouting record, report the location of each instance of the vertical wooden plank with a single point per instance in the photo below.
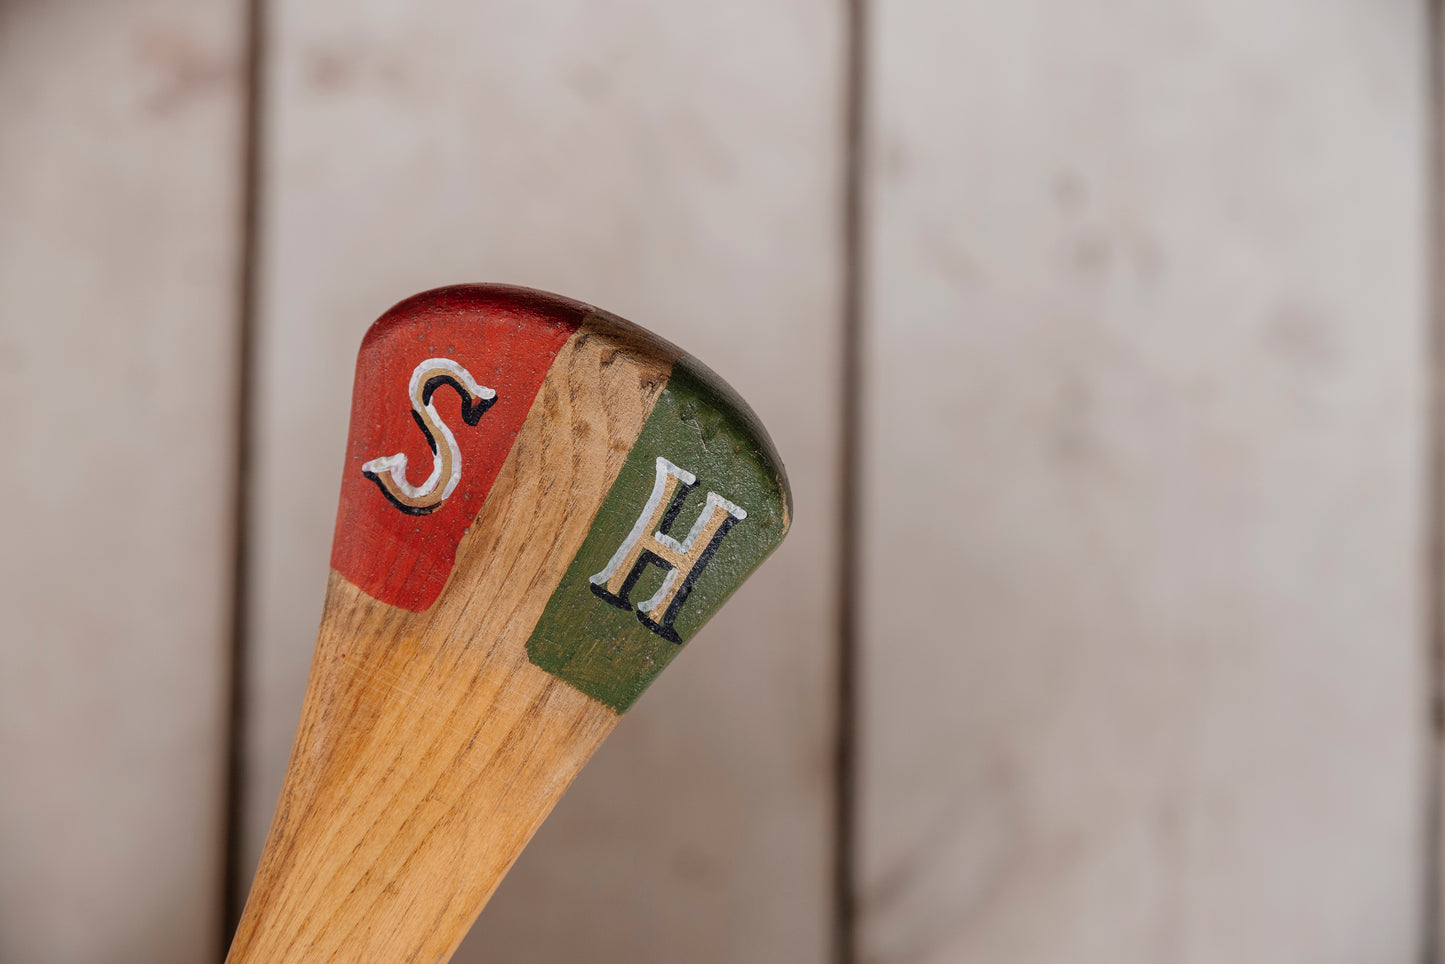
(677, 164)
(1434, 904)
(119, 182)
(1143, 642)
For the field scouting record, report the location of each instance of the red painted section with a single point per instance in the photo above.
(506, 338)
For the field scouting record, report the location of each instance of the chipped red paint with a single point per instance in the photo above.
(506, 338)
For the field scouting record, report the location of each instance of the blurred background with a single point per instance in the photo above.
(1100, 337)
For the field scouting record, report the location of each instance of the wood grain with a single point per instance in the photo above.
(430, 748)
(1145, 420)
(676, 163)
(120, 174)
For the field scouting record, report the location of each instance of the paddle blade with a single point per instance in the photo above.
(541, 505)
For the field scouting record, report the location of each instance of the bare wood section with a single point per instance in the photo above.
(120, 176)
(678, 164)
(1143, 643)
(430, 748)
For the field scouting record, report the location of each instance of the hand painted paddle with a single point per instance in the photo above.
(542, 503)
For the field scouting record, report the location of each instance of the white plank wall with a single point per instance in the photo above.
(678, 164)
(1144, 575)
(120, 162)
(1144, 673)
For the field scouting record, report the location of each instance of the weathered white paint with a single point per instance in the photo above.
(677, 164)
(1145, 433)
(120, 173)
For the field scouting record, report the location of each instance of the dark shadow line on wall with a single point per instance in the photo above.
(1435, 482)
(233, 874)
(845, 816)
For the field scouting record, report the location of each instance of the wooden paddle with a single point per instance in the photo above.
(541, 504)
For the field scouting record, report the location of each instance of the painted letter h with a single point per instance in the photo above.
(648, 544)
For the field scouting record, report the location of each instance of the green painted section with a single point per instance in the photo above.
(699, 424)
